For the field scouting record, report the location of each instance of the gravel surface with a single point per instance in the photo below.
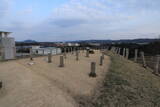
(42, 84)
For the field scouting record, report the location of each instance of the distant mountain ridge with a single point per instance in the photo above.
(117, 41)
(29, 41)
(138, 41)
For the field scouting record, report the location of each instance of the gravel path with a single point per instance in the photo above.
(46, 85)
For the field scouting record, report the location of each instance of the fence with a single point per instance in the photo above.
(146, 60)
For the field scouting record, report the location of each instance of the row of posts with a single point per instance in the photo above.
(64, 56)
(125, 54)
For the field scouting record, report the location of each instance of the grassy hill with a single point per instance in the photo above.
(127, 84)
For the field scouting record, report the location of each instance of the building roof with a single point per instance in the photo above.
(4, 32)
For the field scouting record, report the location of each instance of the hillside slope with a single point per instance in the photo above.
(127, 84)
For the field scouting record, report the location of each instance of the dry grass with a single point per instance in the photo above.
(127, 84)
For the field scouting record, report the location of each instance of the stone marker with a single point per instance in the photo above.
(136, 55)
(0, 84)
(77, 55)
(124, 50)
(101, 60)
(102, 55)
(143, 60)
(31, 55)
(93, 70)
(72, 50)
(127, 53)
(87, 53)
(119, 51)
(61, 61)
(65, 55)
(49, 57)
(157, 64)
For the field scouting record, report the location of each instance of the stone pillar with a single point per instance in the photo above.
(157, 64)
(124, 50)
(102, 55)
(143, 60)
(136, 55)
(0, 84)
(77, 55)
(101, 60)
(83, 49)
(49, 57)
(31, 55)
(119, 51)
(72, 50)
(127, 53)
(93, 70)
(61, 61)
(65, 56)
(87, 53)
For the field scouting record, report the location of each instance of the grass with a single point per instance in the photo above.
(127, 84)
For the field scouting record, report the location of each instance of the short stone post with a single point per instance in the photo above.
(102, 55)
(124, 50)
(101, 60)
(61, 61)
(82, 49)
(49, 57)
(0, 84)
(72, 51)
(143, 60)
(93, 70)
(127, 53)
(87, 53)
(77, 55)
(65, 55)
(136, 55)
(31, 55)
(157, 64)
(119, 51)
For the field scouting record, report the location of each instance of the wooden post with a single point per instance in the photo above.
(101, 60)
(143, 59)
(61, 61)
(49, 57)
(31, 55)
(77, 55)
(93, 70)
(0, 84)
(157, 64)
(136, 55)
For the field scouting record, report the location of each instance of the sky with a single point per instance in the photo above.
(63, 20)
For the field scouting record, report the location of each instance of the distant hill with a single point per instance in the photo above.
(29, 41)
(138, 41)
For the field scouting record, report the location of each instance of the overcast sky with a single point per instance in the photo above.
(59, 20)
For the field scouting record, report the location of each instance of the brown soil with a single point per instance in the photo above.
(47, 85)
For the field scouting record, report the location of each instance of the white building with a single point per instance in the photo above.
(7, 46)
(44, 51)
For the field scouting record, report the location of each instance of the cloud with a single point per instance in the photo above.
(96, 19)
(4, 6)
(27, 10)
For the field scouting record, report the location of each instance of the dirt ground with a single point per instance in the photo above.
(46, 84)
